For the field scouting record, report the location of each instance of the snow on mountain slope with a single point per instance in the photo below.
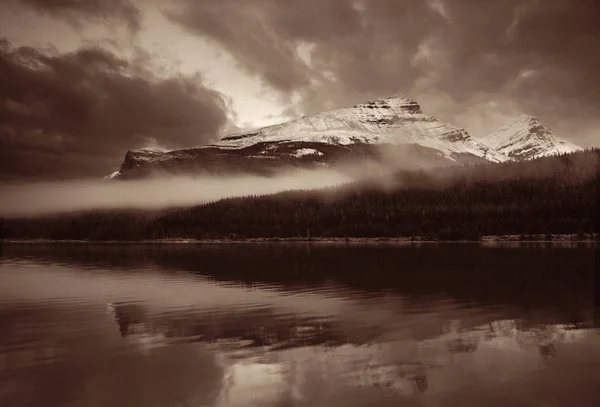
(526, 138)
(112, 175)
(392, 120)
(393, 129)
(301, 152)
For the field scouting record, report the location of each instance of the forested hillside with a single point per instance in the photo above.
(554, 195)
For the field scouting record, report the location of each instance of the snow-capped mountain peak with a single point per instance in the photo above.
(392, 129)
(392, 120)
(394, 103)
(527, 119)
(526, 138)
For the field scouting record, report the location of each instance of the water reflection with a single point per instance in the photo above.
(282, 325)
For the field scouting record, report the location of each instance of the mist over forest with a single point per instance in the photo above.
(552, 195)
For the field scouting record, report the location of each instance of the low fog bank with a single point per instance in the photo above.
(409, 168)
(65, 196)
(391, 170)
(167, 191)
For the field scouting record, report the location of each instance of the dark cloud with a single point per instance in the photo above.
(469, 62)
(262, 49)
(500, 57)
(78, 11)
(77, 113)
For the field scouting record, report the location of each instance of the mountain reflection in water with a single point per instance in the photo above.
(128, 325)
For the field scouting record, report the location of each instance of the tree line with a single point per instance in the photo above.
(553, 195)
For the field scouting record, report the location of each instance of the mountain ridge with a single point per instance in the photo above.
(526, 138)
(393, 127)
(391, 120)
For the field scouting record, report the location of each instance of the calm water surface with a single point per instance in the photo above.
(305, 325)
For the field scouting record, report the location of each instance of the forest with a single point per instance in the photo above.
(552, 195)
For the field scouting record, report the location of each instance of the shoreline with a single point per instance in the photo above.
(562, 238)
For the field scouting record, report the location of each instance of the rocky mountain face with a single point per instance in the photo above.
(526, 138)
(393, 131)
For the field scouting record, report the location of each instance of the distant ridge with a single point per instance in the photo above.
(393, 126)
(526, 138)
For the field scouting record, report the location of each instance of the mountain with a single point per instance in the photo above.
(393, 129)
(526, 138)
(393, 120)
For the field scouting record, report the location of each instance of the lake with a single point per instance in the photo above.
(299, 325)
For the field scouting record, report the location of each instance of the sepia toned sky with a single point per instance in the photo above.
(83, 81)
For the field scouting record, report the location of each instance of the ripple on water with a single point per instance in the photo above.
(466, 325)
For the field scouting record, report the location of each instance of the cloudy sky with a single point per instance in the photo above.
(82, 81)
